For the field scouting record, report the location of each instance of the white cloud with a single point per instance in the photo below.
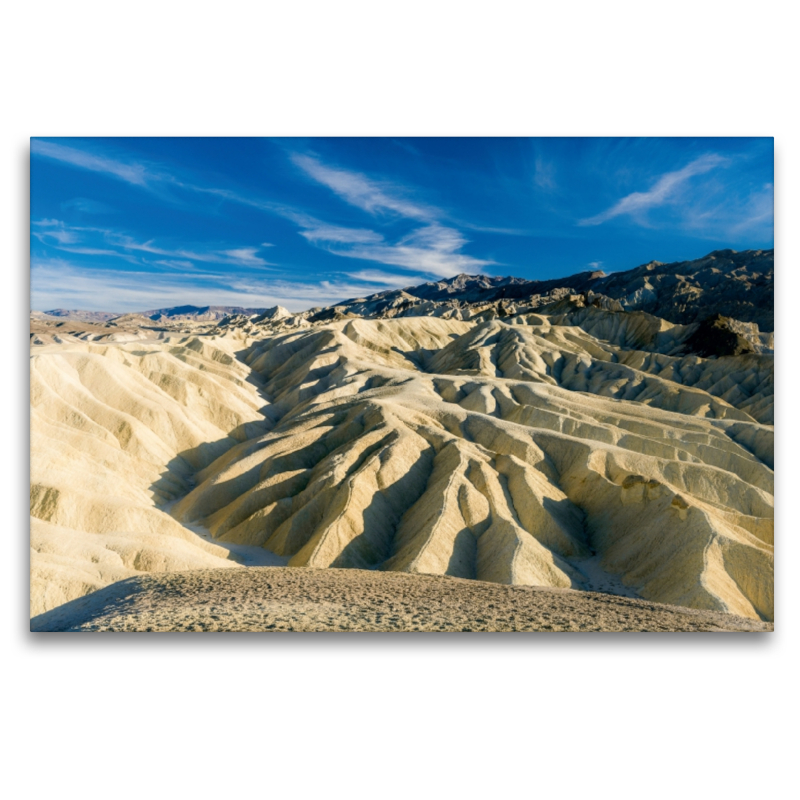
(386, 280)
(136, 174)
(63, 237)
(544, 175)
(98, 251)
(56, 236)
(175, 263)
(433, 249)
(246, 256)
(87, 206)
(373, 196)
(733, 217)
(665, 189)
(239, 257)
(759, 211)
(318, 231)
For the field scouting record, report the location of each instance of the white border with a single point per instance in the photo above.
(396, 716)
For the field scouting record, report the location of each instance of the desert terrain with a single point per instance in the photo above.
(590, 453)
(352, 600)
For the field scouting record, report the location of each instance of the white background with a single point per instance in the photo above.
(404, 715)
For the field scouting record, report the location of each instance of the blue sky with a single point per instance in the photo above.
(132, 224)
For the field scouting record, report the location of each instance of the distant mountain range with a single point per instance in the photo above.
(188, 312)
(83, 316)
(739, 285)
(200, 313)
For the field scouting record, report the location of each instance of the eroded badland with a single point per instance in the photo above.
(563, 437)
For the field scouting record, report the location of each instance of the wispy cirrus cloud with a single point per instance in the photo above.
(544, 174)
(99, 251)
(69, 239)
(373, 196)
(434, 248)
(237, 257)
(732, 214)
(385, 280)
(86, 206)
(106, 242)
(666, 189)
(246, 256)
(315, 230)
(134, 173)
(759, 210)
(174, 263)
(150, 177)
(56, 235)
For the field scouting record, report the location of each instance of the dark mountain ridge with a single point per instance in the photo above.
(734, 284)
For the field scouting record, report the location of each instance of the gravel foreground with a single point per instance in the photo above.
(303, 599)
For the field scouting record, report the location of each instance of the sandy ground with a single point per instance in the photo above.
(304, 599)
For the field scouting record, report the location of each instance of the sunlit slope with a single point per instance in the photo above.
(116, 430)
(508, 453)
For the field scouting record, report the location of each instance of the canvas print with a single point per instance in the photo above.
(401, 384)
